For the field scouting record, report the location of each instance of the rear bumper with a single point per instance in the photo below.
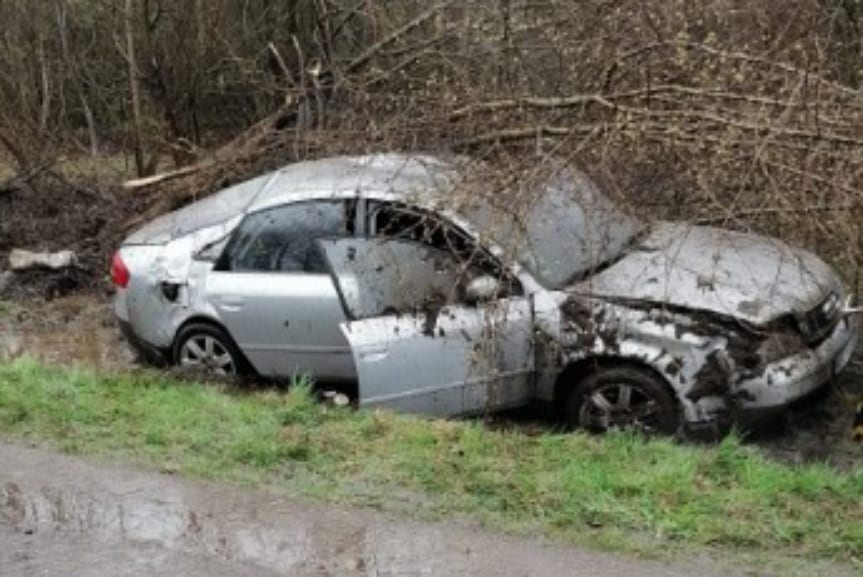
(148, 353)
(798, 376)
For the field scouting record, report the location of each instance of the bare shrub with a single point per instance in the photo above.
(741, 114)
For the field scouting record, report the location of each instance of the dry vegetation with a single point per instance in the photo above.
(744, 114)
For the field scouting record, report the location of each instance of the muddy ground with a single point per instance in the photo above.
(80, 328)
(65, 516)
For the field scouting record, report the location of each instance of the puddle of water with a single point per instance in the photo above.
(257, 537)
(166, 522)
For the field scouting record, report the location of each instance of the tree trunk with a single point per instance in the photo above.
(134, 87)
(76, 70)
(45, 85)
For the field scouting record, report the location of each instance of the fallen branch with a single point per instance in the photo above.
(162, 177)
(531, 102)
(776, 210)
(772, 128)
(747, 126)
(21, 260)
(521, 133)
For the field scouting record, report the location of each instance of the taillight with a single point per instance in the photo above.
(119, 272)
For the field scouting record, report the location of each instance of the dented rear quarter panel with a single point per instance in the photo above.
(154, 316)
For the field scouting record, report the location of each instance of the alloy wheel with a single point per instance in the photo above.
(619, 406)
(208, 353)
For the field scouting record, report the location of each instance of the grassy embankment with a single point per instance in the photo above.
(619, 491)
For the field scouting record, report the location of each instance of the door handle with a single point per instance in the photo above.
(232, 303)
(374, 356)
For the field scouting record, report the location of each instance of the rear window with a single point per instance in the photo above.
(209, 211)
(283, 239)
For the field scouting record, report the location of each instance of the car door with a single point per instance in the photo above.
(271, 290)
(420, 343)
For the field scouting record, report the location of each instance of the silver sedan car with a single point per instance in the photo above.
(397, 273)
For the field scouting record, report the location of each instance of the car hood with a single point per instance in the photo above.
(745, 276)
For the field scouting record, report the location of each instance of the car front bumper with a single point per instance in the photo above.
(792, 378)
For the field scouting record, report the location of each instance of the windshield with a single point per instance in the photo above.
(562, 233)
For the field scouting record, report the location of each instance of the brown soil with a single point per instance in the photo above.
(56, 216)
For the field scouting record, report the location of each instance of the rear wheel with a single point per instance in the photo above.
(622, 398)
(208, 348)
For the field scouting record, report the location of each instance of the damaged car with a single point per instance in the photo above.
(440, 290)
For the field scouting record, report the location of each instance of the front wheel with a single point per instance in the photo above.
(208, 348)
(622, 398)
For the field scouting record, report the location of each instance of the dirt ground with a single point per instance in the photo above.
(61, 515)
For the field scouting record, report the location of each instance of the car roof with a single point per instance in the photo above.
(422, 180)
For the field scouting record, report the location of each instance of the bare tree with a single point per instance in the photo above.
(134, 86)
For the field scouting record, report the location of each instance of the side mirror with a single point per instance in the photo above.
(482, 288)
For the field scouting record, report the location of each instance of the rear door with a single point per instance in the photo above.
(271, 290)
(418, 341)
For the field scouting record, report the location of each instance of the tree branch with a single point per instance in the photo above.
(372, 50)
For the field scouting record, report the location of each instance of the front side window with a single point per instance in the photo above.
(388, 276)
(392, 221)
(283, 239)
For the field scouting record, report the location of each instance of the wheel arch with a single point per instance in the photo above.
(578, 370)
(209, 321)
(199, 320)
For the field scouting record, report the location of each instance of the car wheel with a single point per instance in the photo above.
(622, 398)
(208, 348)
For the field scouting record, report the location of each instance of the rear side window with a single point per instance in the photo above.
(282, 239)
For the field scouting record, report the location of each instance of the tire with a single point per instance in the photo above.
(205, 347)
(622, 398)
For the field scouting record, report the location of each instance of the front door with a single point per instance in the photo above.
(420, 342)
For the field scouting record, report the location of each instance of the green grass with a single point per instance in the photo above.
(618, 491)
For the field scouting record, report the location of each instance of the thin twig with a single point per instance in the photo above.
(372, 50)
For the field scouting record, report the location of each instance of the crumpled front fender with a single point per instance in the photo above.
(690, 353)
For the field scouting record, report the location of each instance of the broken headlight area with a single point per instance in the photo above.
(817, 323)
(778, 346)
(781, 341)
